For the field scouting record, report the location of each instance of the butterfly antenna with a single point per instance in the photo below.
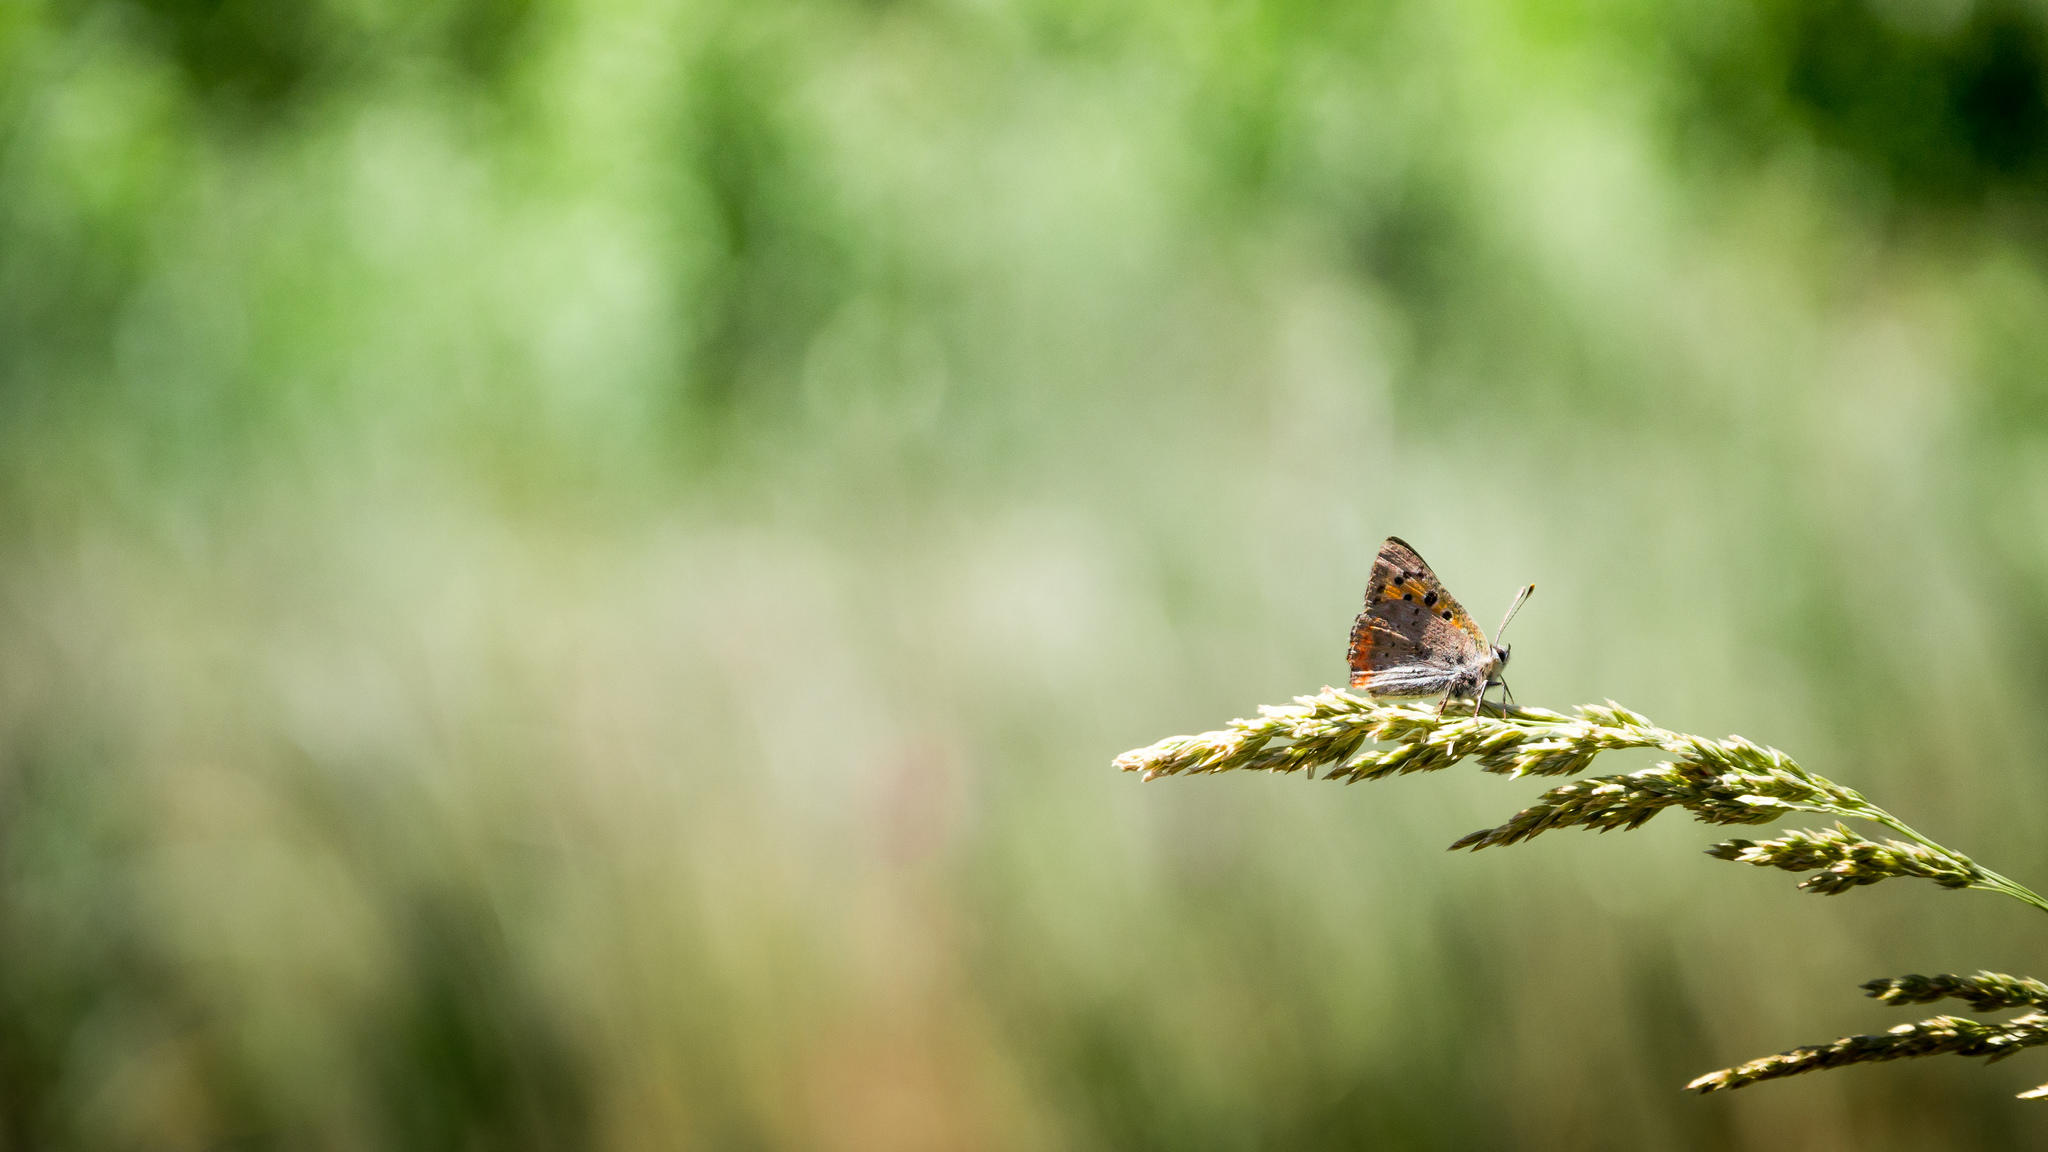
(1512, 609)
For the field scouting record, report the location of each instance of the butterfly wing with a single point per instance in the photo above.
(1413, 639)
(1400, 649)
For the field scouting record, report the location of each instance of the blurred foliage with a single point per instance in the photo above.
(570, 571)
(1943, 103)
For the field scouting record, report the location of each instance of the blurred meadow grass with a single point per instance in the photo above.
(570, 570)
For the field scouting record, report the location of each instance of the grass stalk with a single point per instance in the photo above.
(1729, 781)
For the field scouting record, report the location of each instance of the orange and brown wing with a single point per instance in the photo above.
(1413, 638)
(1399, 573)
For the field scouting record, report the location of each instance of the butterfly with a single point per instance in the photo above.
(1414, 640)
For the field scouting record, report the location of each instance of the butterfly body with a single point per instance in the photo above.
(1414, 639)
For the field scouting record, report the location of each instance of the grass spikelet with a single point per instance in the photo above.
(1938, 1036)
(1846, 860)
(1983, 992)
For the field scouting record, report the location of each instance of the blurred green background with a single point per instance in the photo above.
(571, 570)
